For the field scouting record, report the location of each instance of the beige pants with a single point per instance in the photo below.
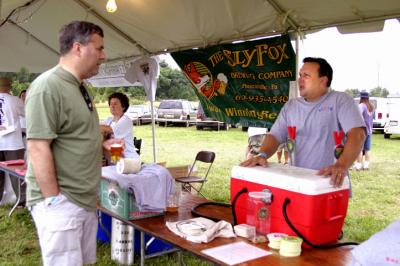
(67, 233)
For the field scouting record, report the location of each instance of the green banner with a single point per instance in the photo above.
(246, 83)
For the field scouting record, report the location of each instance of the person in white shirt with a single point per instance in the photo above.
(119, 125)
(11, 144)
(22, 96)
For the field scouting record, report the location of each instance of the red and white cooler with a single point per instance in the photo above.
(316, 209)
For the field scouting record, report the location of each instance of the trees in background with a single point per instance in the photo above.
(172, 84)
(375, 92)
(353, 92)
(21, 80)
(379, 92)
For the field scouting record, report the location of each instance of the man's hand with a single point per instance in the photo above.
(352, 147)
(336, 173)
(106, 131)
(256, 160)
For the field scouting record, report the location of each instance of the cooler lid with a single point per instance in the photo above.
(296, 179)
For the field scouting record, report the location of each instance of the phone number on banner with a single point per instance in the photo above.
(261, 98)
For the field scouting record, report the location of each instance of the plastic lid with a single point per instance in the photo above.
(260, 195)
(290, 178)
(272, 236)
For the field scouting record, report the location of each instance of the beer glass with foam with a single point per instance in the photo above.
(116, 152)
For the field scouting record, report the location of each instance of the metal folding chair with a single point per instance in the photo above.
(138, 144)
(204, 159)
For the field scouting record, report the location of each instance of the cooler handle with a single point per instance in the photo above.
(335, 218)
(333, 210)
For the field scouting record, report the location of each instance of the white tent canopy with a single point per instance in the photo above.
(29, 29)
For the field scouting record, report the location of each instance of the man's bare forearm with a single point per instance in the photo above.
(42, 161)
(269, 145)
(354, 141)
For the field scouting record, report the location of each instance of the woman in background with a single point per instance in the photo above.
(119, 125)
(367, 112)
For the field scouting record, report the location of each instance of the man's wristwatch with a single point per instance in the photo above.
(262, 155)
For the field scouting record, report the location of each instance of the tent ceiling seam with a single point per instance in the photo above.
(112, 26)
(34, 37)
(15, 10)
(231, 18)
(282, 12)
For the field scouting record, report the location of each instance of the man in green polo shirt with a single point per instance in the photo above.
(64, 147)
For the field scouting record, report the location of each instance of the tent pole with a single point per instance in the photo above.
(297, 60)
(153, 125)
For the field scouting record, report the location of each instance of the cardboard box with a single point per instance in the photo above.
(121, 202)
(179, 171)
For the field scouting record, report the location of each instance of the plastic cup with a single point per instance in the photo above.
(173, 200)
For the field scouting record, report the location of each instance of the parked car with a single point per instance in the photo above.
(174, 112)
(139, 114)
(393, 123)
(392, 127)
(204, 121)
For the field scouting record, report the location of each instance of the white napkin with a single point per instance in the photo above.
(201, 230)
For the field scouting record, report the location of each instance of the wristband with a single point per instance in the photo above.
(52, 200)
(262, 155)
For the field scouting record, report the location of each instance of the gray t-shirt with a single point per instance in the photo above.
(315, 124)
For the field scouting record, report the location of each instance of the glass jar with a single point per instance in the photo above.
(258, 211)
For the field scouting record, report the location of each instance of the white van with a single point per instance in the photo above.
(393, 124)
(381, 111)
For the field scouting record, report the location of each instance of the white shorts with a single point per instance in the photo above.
(67, 233)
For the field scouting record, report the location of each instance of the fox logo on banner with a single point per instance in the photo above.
(246, 83)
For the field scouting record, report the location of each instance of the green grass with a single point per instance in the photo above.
(375, 202)
(103, 110)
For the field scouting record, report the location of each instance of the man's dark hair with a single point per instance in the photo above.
(325, 68)
(77, 31)
(122, 98)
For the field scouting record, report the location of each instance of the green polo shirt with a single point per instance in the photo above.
(56, 110)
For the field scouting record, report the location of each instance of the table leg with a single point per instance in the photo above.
(133, 245)
(142, 249)
(18, 197)
(180, 258)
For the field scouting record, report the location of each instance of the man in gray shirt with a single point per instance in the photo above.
(317, 116)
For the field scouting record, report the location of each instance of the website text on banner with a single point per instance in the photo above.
(246, 83)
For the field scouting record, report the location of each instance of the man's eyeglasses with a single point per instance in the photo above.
(86, 97)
